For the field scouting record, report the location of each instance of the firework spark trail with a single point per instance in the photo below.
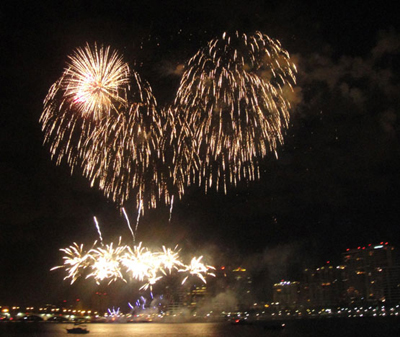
(178, 157)
(229, 112)
(139, 263)
(144, 302)
(129, 225)
(169, 259)
(231, 97)
(151, 280)
(197, 268)
(75, 260)
(106, 263)
(98, 230)
(114, 313)
(139, 212)
(171, 208)
(101, 117)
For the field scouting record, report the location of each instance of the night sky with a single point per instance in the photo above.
(335, 184)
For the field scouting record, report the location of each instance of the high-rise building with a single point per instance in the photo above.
(323, 286)
(370, 273)
(391, 284)
(286, 294)
(237, 280)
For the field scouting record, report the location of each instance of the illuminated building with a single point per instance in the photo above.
(242, 284)
(323, 286)
(236, 280)
(197, 295)
(371, 273)
(99, 300)
(286, 294)
(391, 284)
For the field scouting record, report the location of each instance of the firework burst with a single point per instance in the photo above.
(197, 268)
(139, 262)
(101, 117)
(229, 112)
(169, 259)
(231, 99)
(75, 261)
(106, 263)
(109, 263)
(95, 81)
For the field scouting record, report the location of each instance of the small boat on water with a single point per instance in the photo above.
(79, 330)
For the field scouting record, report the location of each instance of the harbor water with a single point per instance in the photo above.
(335, 327)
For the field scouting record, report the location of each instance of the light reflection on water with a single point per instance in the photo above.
(136, 330)
(296, 328)
(159, 330)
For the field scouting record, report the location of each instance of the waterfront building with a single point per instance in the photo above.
(323, 286)
(286, 294)
(372, 275)
(391, 284)
(234, 280)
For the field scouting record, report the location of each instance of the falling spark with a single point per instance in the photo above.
(229, 112)
(101, 117)
(138, 214)
(171, 208)
(198, 269)
(75, 261)
(129, 224)
(231, 100)
(98, 230)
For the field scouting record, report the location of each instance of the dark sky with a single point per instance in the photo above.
(335, 184)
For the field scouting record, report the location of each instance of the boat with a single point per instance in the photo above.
(79, 330)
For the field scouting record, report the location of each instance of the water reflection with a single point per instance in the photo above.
(135, 329)
(339, 327)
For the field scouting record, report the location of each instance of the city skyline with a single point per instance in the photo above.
(243, 284)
